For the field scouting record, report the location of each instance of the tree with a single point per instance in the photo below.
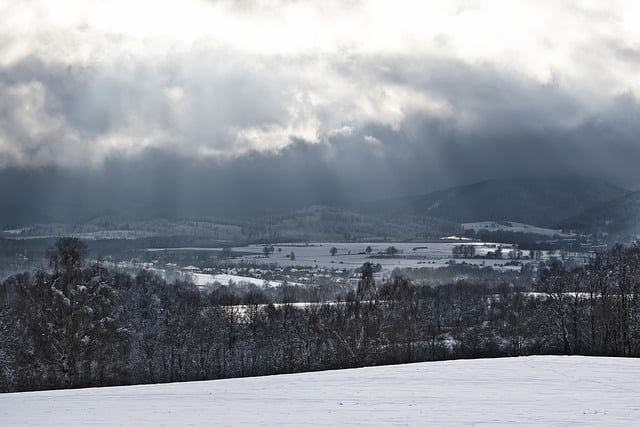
(333, 251)
(470, 251)
(67, 256)
(366, 284)
(293, 256)
(456, 251)
(266, 251)
(391, 250)
(554, 282)
(226, 252)
(71, 335)
(368, 250)
(401, 309)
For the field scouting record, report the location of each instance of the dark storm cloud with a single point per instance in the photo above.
(423, 154)
(487, 123)
(504, 124)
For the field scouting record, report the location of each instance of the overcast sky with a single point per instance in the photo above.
(403, 96)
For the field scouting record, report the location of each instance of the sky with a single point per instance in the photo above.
(330, 100)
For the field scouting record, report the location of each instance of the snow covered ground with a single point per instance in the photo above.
(560, 391)
(203, 279)
(352, 255)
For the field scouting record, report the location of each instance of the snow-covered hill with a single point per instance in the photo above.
(518, 391)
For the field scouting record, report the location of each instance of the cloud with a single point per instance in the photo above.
(316, 100)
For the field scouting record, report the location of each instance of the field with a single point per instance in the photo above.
(353, 255)
(539, 390)
(348, 258)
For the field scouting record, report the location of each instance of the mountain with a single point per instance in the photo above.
(66, 198)
(619, 217)
(543, 202)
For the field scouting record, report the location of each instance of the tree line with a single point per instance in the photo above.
(77, 325)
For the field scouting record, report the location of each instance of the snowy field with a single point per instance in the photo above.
(353, 255)
(203, 279)
(543, 391)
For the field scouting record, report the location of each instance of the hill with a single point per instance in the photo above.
(543, 202)
(326, 223)
(540, 390)
(620, 218)
(314, 223)
(540, 202)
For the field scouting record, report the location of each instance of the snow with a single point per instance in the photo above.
(18, 234)
(352, 255)
(540, 390)
(16, 231)
(203, 279)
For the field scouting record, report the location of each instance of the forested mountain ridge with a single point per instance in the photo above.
(314, 223)
(544, 202)
(619, 217)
